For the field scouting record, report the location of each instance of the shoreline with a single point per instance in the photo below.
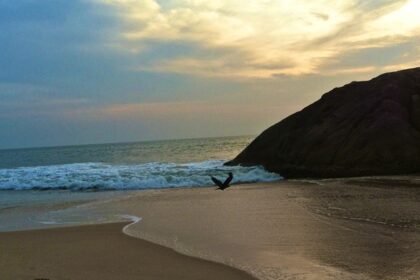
(99, 252)
(352, 228)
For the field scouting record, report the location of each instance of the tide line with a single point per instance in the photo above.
(132, 218)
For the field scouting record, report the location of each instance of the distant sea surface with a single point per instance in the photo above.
(127, 166)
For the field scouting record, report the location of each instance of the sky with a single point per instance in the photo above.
(100, 71)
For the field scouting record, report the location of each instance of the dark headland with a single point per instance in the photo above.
(363, 128)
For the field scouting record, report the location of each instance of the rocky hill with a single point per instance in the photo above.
(363, 128)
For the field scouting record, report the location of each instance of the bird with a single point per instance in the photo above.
(225, 184)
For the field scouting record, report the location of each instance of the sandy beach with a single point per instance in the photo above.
(98, 252)
(362, 228)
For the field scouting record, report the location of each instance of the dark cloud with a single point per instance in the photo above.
(379, 57)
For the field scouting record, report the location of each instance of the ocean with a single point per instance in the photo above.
(47, 187)
(127, 166)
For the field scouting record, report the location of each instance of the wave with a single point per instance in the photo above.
(102, 176)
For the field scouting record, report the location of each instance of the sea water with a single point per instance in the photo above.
(44, 187)
(127, 166)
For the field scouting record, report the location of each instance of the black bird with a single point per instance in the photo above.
(225, 184)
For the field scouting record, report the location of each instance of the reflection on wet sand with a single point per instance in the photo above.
(330, 229)
(381, 218)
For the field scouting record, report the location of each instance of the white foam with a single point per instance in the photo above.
(101, 176)
(133, 219)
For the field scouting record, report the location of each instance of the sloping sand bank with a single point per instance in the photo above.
(365, 228)
(98, 252)
(360, 228)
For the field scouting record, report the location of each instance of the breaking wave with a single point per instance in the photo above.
(102, 176)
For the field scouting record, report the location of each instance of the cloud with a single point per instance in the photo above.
(29, 101)
(321, 16)
(180, 118)
(376, 59)
(106, 70)
(234, 38)
(184, 109)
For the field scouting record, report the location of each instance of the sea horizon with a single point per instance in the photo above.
(124, 142)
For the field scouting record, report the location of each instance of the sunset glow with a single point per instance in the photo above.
(261, 38)
(98, 70)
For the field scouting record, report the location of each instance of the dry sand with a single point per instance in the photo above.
(98, 252)
(364, 228)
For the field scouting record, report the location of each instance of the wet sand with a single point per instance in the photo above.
(360, 228)
(98, 252)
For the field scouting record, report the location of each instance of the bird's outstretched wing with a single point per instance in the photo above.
(228, 180)
(217, 182)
